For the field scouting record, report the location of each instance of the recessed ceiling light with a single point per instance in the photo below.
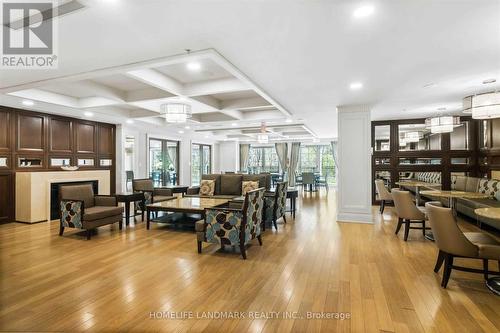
(88, 114)
(27, 102)
(288, 120)
(356, 85)
(130, 121)
(363, 11)
(429, 85)
(488, 81)
(441, 109)
(193, 66)
(180, 132)
(187, 127)
(234, 124)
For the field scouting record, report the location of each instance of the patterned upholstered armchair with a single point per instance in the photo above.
(231, 226)
(274, 205)
(81, 209)
(151, 194)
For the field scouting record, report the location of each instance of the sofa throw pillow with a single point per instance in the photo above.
(249, 185)
(207, 187)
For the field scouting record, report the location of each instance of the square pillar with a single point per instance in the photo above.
(354, 164)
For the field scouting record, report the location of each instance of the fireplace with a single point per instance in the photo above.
(54, 195)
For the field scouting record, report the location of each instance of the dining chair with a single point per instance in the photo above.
(383, 194)
(308, 178)
(453, 243)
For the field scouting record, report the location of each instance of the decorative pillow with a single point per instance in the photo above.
(207, 187)
(248, 186)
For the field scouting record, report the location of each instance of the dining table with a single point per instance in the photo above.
(417, 184)
(493, 283)
(452, 196)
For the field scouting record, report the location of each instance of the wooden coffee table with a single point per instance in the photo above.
(184, 205)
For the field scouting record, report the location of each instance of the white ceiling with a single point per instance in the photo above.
(302, 55)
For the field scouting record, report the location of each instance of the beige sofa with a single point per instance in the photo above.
(228, 186)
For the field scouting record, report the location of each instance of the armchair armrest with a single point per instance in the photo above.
(193, 190)
(105, 200)
(163, 191)
(72, 211)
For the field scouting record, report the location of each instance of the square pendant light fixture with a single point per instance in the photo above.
(176, 112)
(483, 106)
(442, 124)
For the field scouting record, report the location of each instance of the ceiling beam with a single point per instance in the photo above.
(158, 80)
(245, 103)
(214, 86)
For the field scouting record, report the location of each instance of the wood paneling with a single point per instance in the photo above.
(85, 134)
(60, 136)
(30, 133)
(4, 131)
(106, 140)
(6, 197)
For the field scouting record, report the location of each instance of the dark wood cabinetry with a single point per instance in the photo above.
(32, 141)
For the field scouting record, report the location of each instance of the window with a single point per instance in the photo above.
(201, 157)
(163, 162)
(263, 159)
(318, 159)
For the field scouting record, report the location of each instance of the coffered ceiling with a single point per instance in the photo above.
(266, 60)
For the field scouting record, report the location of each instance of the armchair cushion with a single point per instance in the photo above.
(101, 212)
(231, 184)
(222, 226)
(207, 187)
(105, 200)
(78, 192)
(248, 185)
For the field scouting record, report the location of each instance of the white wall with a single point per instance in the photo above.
(354, 159)
(142, 135)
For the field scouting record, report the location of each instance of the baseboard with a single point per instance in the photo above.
(355, 218)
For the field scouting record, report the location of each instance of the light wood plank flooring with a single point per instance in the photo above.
(115, 281)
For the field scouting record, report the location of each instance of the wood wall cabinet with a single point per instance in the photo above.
(30, 133)
(60, 135)
(6, 197)
(33, 141)
(85, 138)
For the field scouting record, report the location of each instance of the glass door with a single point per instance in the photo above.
(163, 162)
(201, 156)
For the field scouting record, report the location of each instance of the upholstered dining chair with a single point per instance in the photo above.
(383, 194)
(408, 212)
(275, 205)
(80, 208)
(453, 243)
(308, 178)
(233, 226)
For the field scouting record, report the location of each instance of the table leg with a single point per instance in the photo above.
(148, 218)
(417, 196)
(127, 212)
(453, 205)
(143, 203)
(293, 206)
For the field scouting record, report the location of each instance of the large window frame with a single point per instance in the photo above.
(318, 159)
(160, 167)
(201, 162)
(263, 159)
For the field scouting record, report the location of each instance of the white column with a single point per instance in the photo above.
(354, 164)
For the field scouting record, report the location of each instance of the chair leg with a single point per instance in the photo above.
(120, 224)
(448, 263)
(485, 268)
(259, 238)
(263, 225)
(400, 222)
(439, 261)
(199, 247)
(275, 224)
(89, 233)
(382, 206)
(423, 228)
(243, 252)
(407, 229)
(61, 229)
(284, 218)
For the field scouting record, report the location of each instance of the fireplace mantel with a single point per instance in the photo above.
(33, 190)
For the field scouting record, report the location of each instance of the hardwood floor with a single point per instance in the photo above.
(119, 279)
